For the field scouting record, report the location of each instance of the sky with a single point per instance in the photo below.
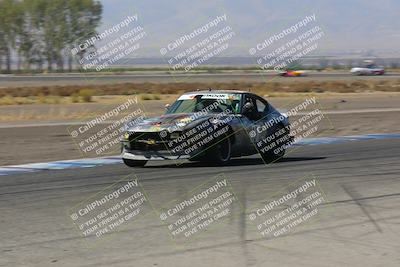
(348, 25)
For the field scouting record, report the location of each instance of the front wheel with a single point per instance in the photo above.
(134, 163)
(221, 151)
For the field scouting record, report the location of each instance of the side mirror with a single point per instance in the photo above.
(167, 106)
(248, 107)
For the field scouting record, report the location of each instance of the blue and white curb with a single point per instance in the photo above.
(343, 139)
(94, 162)
(59, 165)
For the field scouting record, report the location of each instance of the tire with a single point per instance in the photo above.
(270, 156)
(134, 163)
(221, 151)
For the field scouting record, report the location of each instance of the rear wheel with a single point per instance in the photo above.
(134, 163)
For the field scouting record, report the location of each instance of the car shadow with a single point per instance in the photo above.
(233, 162)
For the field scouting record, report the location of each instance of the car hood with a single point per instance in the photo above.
(171, 122)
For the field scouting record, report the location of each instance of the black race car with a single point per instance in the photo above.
(209, 126)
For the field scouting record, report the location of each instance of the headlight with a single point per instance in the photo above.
(126, 135)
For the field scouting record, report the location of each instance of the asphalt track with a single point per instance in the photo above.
(79, 79)
(358, 225)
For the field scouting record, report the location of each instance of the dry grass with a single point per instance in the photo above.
(152, 91)
(40, 99)
(150, 97)
(82, 96)
(11, 100)
(86, 95)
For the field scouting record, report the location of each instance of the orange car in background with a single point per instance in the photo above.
(293, 73)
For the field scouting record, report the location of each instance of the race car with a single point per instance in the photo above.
(369, 69)
(293, 73)
(212, 126)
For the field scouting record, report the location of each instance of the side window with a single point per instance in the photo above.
(260, 106)
(247, 99)
(251, 113)
(251, 100)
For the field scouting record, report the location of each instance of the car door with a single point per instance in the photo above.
(253, 121)
(265, 114)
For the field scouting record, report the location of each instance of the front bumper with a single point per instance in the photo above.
(151, 155)
(151, 146)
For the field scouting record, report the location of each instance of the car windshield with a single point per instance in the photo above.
(209, 103)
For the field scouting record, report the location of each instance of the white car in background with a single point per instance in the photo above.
(370, 69)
